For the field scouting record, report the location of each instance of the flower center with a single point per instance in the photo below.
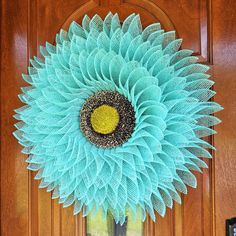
(104, 119)
(107, 119)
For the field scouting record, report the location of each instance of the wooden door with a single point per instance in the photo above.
(207, 27)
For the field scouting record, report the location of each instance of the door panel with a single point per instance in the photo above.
(14, 178)
(224, 61)
(27, 24)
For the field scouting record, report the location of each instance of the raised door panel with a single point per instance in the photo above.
(224, 58)
(14, 177)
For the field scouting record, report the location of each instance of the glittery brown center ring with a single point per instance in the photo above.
(107, 119)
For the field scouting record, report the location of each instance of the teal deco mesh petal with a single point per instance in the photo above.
(168, 90)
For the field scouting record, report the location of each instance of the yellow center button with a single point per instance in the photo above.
(104, 119)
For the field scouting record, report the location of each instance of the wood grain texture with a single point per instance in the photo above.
(34, 217)
(206, 26)
(224, 60)
(14, 177)
(192, 209)
(164, 226)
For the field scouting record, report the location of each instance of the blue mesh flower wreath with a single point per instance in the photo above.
(114, 117)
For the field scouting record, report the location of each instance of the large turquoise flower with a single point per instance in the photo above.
(114, 117)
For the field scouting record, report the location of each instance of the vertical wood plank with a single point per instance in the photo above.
(14, 176)
(33, 205)
(80, 225)
(207, 199)
(44, 213)
(164, 226)
(192, 209)
(178, 219)
(56, 218)
(68, 221)
(149, 227)
(204, 19)
(224, 59)
(33, 185)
